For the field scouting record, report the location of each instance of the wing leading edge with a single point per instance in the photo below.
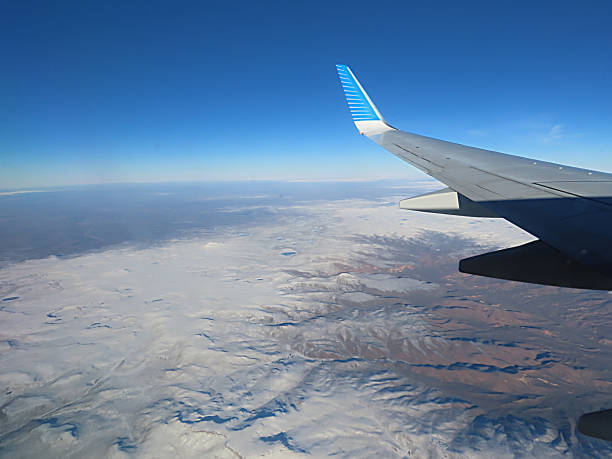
(567, 208)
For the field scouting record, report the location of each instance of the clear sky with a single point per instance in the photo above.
(116, 91)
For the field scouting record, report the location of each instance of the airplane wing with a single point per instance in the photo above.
(568, 209)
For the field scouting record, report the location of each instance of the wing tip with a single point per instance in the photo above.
(366, 116)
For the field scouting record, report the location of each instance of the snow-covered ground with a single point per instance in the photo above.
(304, 335)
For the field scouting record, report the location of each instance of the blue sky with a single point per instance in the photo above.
(96, 92)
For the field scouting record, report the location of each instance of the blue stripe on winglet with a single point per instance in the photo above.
(359, 105)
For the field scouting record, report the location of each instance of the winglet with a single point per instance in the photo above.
(366, 116)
